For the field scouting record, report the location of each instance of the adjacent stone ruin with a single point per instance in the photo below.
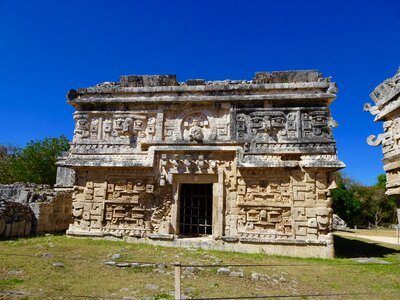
(387, 110)
(241, 165)
(27, 209)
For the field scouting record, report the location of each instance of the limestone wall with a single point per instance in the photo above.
(262, 206)
(33, 209)
(16, 219)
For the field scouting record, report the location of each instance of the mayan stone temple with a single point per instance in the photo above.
(238, 165)
(387, 110)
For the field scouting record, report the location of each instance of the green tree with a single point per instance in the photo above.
(382, 206)
(7, 153)
(36, 162)
(381, 184)
(344, 202)
(363, 205)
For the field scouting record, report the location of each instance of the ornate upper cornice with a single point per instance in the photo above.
(285, 85)
(386, 97)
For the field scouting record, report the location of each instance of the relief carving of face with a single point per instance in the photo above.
(194, 127)
(196, 133)
(323, 217)
(278, 121)
(77, 210)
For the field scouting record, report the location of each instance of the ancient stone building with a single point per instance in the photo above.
(235, 165)
(387, 110)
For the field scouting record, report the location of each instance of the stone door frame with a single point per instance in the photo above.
(218, 199)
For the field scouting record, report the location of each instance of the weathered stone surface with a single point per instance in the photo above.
(143, 80)
(225, 271)
(263, 146)
(338, 223)
(58, 265)
(15, 219)
(116, 256)
(65, 177)
(288, 76)
(30, 208)
(151, 286)
(236, 274)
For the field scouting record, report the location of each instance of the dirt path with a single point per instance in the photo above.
(382, 239)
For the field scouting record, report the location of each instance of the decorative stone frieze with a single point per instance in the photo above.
(248, 163)
(387, 110)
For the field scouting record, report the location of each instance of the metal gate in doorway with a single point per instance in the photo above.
(196, 209)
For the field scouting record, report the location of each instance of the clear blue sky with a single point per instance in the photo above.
(49, 47)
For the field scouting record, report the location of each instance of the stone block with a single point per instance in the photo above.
(146, 80)
(287, 77)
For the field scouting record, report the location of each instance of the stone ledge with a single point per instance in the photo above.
(230, 239)
(73, 232)
(318, 96)
(209, 86)
(161, 236)
(296, 248)
(281, 241)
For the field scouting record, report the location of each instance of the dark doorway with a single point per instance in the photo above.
(196, 209)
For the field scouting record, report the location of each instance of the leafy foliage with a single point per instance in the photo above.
(363, 205)
(35, 163)
(7, 153)
(345, 203)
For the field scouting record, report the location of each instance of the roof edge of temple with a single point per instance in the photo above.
(300, 79)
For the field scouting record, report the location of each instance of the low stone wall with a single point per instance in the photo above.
(15, 219)
(33, 209)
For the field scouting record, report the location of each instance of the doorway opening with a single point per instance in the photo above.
(196, 209)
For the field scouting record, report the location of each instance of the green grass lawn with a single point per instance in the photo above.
(32, 266)
(376, 232)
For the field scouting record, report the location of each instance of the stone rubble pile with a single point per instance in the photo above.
(338, 223)
(27, 208)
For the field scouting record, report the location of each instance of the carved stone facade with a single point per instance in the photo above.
(387, 110)
(263, 149)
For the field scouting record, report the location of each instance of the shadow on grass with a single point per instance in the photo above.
(350, 248)
(31, 236)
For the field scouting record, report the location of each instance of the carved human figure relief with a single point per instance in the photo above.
(121, 126)
(324, 218)
(271, 123)
(150, 129)
(107, 127)
(94, 128)
(196, 128)
(81, 126)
